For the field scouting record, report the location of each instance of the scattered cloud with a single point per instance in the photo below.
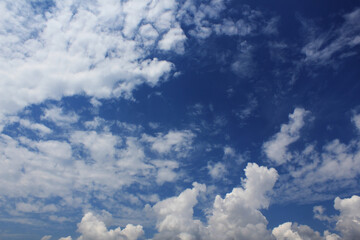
(276, 148)
(58, 117)
(178, 141)
(245, 112)
(325, 48)
(311, 172)
(217, 171)
(356, 120)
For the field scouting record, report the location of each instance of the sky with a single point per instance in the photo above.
(183, 120)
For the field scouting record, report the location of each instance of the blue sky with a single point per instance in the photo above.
(164, 119)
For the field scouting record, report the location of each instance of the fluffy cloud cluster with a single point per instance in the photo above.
(276, 148)
(100, 48)
(78, 162)
(92, 228)
(348, 222)
(234, 217)
(237, 216)
(311, 171)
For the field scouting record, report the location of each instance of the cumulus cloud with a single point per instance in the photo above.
(349, 219)
(236, 216)
(175, 215)
(293, 231)
(72, 47)
(347, 223)
(173, 40)
(91, 228)
(276, 148)
(165, 171)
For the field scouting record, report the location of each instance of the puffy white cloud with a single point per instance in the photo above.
(349, 219)
(165, 171)
(74, 47)
(173, 40)
(91, 228)
(178, 141)
(293, 231)
(276, 148)
(347, 223)
(225, 221)
(237, 216)
(336, 163)
(317, 173)
(57, 116)
(84, 164)
(175, 215)
(101, 146)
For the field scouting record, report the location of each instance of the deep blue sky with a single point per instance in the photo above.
(111, 112)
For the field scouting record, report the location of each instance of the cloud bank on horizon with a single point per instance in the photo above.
(190, 119)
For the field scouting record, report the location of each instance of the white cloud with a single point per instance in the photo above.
(225, 223)
(178, 141)
(322, 48)
(320, 174)
(42, 129)
(276, 148)
(57, 116)
(173, 40)
(175, 215)
(165, 171)
(217, 171)
(101, 146)
(148, 34)
(85, 164)
(349, 219)
(237, 216)
(319, 214)
(347, 223)
(76, 47)
(91, 228)
(293, 231)
(356, 120)
(46, 237)
(65, 238)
